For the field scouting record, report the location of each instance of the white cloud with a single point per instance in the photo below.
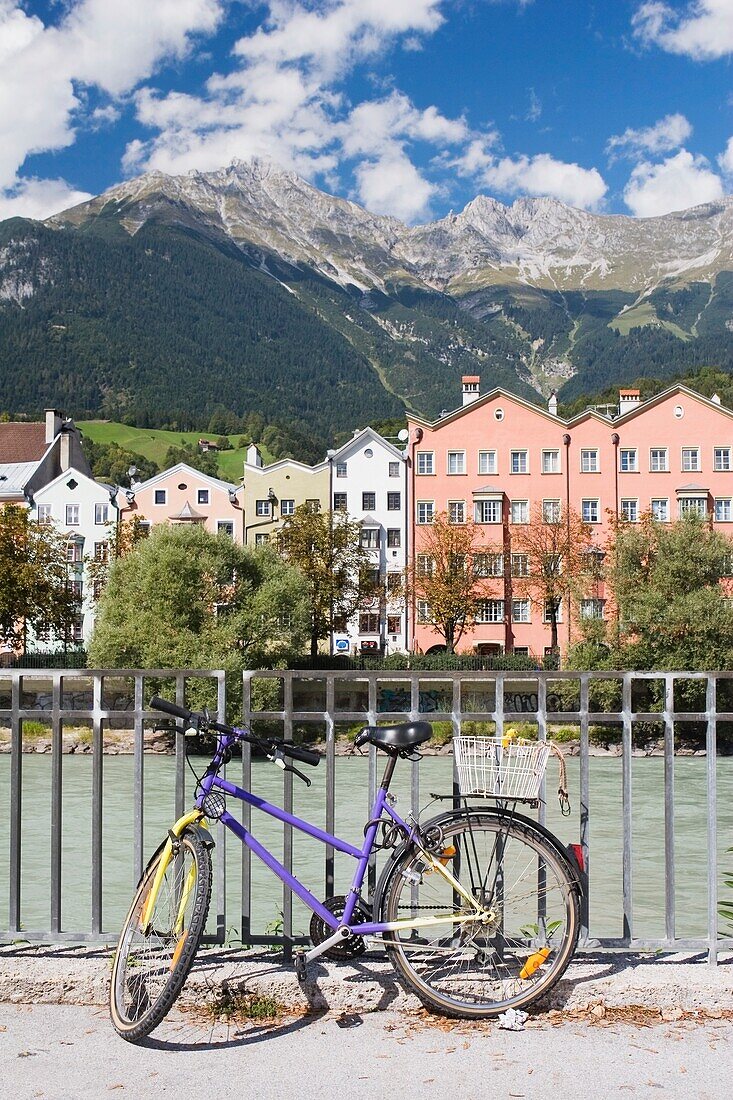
(100, 43)
(681, 181)
(667, 134)
(540, 175)
(703, 31)
(393, 185)
(725, 160)
(34, 198)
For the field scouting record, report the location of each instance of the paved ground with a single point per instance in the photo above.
(65, 1052)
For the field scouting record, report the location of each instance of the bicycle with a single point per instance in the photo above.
(478, 908)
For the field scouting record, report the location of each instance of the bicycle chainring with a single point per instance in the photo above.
(351, 948)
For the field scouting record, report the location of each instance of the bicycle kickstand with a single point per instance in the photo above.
(301, 966)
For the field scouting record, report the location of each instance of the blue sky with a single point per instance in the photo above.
(410, 107)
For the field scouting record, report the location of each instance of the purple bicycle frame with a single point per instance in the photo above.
(361, 855)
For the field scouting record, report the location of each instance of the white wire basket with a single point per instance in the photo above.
(495, 767)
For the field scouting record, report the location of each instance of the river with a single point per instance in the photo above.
(351, 799)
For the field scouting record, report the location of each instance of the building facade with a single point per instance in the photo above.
(272, 493)
(184, 495)
(497, 456)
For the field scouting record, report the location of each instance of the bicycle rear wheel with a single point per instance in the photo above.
(159, 938)
(476, 969)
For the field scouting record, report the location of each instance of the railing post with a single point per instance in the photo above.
(585, 805)
(628, 915)
(669, 846)
(711, 761)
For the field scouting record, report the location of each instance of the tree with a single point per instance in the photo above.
(666, 583)
(204, 461)
(326, 548)
(35, 588)
(446, 577)
(122, 538)
(184, 598)
(110, 462)
(553, 550)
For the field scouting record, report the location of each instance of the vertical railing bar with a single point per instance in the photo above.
(542, 736)
(221, 832)
(669, 845)
(180, 783)
(97, 795)
(245, 814)
(372, 777)
(499, 704)
(56, 802)
(415, 766)
(16, 805)
(330, 869)
(711, 760)
(288, 829)
(628, 918)
(585, 806)
(138, 779)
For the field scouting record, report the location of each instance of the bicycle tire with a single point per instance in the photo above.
(422, 961)
(133, 1011)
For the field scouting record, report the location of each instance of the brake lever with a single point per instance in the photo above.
(278, 758)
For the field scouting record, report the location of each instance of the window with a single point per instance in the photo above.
(488, 565)
(262, 507)
(341, 469)
(551, 511)
(202, 496)
(630, 510)
(339, 624)
(456, 511)
(101, 513)
(76, 590)
(519, 511)
(394, 624)
(490, 611)
(73, 551)
(487, 511)
(261, 538)
(425, 511)
(424, 614)
(225, 527)
(589, 461)
(591, 609)
(370, 538)
(520, 565)
(101, 551)
(44, 513)
(660, 509)
(394, 537)
(287, 507)
(368, 622)
(72, 515)
(160, 496)
(339, 502)
(518, 462)
(425, 564)
(721, 458)
(693, 506)
(313, 505)
(520, 611)
(521, 651)
(487, 462)
(691, 459)
(425, 462)
(77, 628)
(394, 583)
(394, 469)
(589, 510)
(550, 462)
(627, 460)
(368, 502)
(393, 502)
(547, 611)
(456, 462)
(658, 460)
(722, 510)
(726, 568)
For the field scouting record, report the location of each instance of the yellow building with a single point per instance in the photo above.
(271, 493)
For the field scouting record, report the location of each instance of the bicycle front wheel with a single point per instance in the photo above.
(160, 937)
(525, 888)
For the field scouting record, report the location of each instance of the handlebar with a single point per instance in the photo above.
(307, 756)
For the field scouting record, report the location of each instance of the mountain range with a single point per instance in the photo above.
(248, 288)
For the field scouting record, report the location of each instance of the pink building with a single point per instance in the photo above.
(184, 495)
(498, 455)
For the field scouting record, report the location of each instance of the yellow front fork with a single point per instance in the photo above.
(195, 817)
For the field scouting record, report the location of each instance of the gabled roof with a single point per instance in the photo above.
(79, 475)
(282, 464)
(14, 476)
(478, 403)
(22, 442)
(189, 471)
(671, 391)
(364, 436)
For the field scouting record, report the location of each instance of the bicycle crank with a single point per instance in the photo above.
(351, 947)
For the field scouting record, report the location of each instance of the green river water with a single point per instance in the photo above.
(351, 812)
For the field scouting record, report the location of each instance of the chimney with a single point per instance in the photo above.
(471, 384)
(54, 420)
(715, 399)
(552, 403)
(65, 450)
(254, 458)
(628, 400)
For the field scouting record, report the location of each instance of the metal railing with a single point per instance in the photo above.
(318, 704)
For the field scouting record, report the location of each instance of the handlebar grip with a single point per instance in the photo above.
(170, 708)
(297, 753)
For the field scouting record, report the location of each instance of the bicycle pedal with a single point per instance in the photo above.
(300, 966)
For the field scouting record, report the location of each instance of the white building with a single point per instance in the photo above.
(85, 512)
(367, 478)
